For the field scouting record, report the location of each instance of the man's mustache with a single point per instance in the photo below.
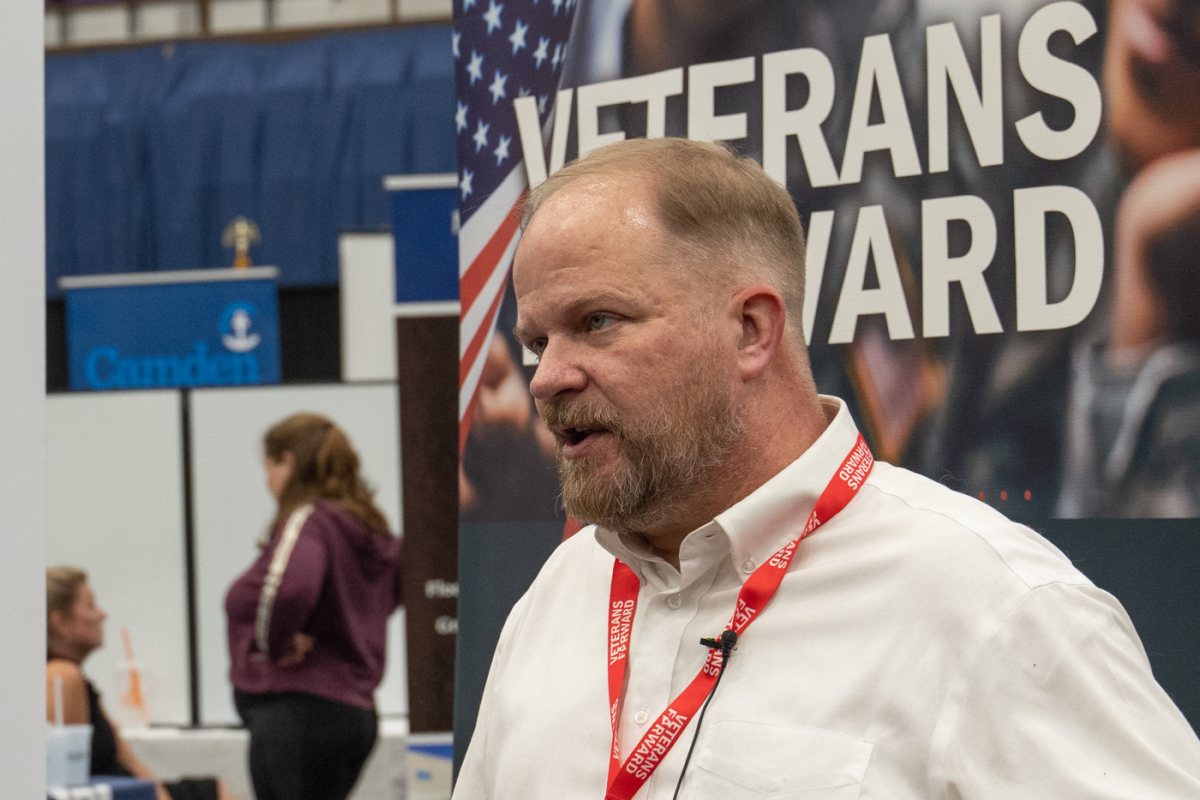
(560, 415)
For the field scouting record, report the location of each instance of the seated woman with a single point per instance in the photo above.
(74, 628)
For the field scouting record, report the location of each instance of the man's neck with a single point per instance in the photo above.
(757, 460)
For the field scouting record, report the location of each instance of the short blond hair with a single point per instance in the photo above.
(720, 206)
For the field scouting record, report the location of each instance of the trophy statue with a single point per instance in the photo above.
(238, 235)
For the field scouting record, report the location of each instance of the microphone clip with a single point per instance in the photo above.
(725, 644)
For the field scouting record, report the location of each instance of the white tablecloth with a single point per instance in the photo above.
(174, 753)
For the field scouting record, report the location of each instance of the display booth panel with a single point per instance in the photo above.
(232, 507)
(115, 508)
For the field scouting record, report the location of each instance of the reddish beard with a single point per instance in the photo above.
(664, 457)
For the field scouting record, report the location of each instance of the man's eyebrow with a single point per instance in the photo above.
(597, 299)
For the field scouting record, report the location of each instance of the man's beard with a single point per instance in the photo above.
(663, 458)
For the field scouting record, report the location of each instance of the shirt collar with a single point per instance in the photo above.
(769, 517)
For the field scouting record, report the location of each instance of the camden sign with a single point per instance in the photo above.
(212, 327)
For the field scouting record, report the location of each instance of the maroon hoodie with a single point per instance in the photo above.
(326, 574)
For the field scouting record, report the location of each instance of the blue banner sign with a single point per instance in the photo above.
(212, 327)
(425, 224)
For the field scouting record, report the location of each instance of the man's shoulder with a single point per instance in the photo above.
(955, 528)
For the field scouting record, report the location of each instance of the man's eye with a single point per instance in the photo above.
(538, 347)
(599, 321)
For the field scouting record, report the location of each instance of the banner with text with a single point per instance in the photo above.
(1001, 201)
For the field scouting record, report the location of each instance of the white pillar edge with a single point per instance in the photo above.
(22, 402)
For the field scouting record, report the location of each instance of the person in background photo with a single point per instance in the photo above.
(74, 628)
(307, 621)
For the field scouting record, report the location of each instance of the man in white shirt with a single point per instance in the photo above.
(914, 644)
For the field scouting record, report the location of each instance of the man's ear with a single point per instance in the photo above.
(762, 313)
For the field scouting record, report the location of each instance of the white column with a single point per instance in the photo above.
(367, 267)
(22, 400)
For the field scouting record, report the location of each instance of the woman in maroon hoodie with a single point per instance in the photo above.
(307, 621)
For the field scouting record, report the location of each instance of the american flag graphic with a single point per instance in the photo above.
(502, 51)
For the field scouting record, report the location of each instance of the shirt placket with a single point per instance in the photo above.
(664, 658)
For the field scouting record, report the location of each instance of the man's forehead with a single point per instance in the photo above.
(612, 199)
(583, 221)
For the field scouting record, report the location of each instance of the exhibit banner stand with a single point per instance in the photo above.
(425, 225)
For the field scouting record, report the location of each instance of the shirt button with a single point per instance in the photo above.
(641, 718)
(674, 601)
(748, 565)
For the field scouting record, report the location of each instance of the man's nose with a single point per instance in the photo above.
(558, 372)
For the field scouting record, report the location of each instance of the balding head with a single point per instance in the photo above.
(732, 222)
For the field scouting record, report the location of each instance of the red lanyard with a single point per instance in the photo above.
(624, 780)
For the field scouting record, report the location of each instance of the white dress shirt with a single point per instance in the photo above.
(921, 645)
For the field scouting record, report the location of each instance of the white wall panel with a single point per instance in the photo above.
(52, 32)
(367, 278)
(114, 507)
(98, 24)
(328, 13)
(411, 10)
(233, 507)
(237, 16)
(168, 20)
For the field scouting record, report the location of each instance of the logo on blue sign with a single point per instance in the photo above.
(106, 368)
(235, 327)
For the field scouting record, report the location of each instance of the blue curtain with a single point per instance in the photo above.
(151, 152)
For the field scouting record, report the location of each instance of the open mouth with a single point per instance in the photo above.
(576, 436)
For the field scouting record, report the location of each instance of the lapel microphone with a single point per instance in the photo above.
(725, 644)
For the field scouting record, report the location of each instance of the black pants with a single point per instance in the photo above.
(304, 747)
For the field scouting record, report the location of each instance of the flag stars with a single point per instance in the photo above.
(481, 136)
(518, 37)
(492, 17)
(489, 153)
(501, 151)
(497, 87)
(475, 68)
(542, 52)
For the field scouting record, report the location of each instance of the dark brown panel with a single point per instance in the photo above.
(427, 372)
